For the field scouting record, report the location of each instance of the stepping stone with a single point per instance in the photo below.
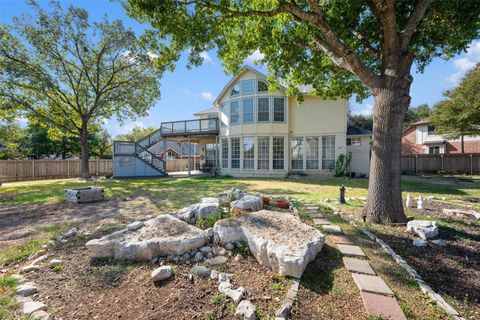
(331, 228)
(311, 208)
(358, 266)
(372, 284)
(349, 250)
(321, 221)
(33, 306)
(316, 215)
(341, 239)
(382, 306)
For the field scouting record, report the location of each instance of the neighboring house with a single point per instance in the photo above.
(421, 138)
(251, 132)
(176, 150)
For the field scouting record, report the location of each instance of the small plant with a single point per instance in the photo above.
(217, 299)
(276, 286)
(342, 165)
(242, 248)
(208, 221)
(58, 267)
(8, 282)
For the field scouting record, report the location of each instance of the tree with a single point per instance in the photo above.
(13, 137)
(136, 134)
(363, 47)
(361, 121)
(63, 70)
(102, 144)
(459, 114)
(418, 113)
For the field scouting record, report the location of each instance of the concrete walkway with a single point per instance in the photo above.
(378, 299)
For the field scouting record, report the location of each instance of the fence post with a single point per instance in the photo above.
(442, 162)
(415, 166)
(68, 168)
(96, 168)
(471, 164)
(33, 169)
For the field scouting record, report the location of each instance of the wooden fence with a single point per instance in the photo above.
(442, 163)
(25, 170)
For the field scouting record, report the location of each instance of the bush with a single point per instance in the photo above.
(208, 221)
(342, 165)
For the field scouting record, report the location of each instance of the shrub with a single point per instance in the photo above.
(342, 165)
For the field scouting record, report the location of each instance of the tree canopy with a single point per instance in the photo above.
(459, 114)
(135, 134)
(60, 68)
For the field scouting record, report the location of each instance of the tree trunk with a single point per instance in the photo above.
(84, 149)
(384, 201)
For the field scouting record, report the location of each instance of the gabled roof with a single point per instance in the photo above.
(180, 148)
(245, 69)
(207, 111)
(356, 131)
(423, 121)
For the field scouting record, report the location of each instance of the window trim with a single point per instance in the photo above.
(267, 159)
(253, 110)
(284, 109)
(239, 153)
(239, 112)
(273, 153)
(242, 83)
(301, 145)
(258, 109)
(253, 155)
(225, 143)
(317, 155)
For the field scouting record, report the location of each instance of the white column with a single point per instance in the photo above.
(189, 155)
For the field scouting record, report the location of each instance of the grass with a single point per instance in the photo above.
(7, 297)
(59, 267)
(24, 250)
(217, 299)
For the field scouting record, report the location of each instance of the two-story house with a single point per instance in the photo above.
(421, 138)
(250, 131)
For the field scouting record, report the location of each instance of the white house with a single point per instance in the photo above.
(252, 132)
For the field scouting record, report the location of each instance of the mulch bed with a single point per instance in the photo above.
(88, 289)
(453, 270)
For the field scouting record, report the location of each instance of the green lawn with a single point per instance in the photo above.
(174, 193)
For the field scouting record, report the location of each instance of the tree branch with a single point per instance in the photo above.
(413, 21)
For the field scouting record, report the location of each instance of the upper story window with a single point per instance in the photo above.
(234, 112)
(430, 129)
(278, 109)
(247, 86)
(248, 110)
(354, 141)
(262, 86)
(263, 110)
(235, 90)
(223, 115)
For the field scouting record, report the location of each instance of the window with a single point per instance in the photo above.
(247, 110)
(263, 161)
(223, 116)
(212, 122)
(262, 86)
(278, 109)
(263, 110)
(170, 155)
(296, 150)
(234, 112)
(225, 153)
(248, 152)
(211, 154)
(235, 145)
(434, 150)
(235, 90)
(354, 141)
(247, 86)
(278, 152)
(430, 130)
(328, 152)
(312, 152)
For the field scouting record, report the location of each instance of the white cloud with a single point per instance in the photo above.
(254, 57)
(190, 94)
(207, 96)
(21, 119)
(365, 111)
(464, 64)
(206, 57)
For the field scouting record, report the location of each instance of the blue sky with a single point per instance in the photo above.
(185, 92)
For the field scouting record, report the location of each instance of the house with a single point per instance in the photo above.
(250, 131)
(421, 138)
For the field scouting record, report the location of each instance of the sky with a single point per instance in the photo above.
(185, 92)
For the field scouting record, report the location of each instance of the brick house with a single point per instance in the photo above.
(420, 138)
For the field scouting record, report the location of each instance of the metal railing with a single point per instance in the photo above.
(189, 127)
(135, 149)
(151, 139)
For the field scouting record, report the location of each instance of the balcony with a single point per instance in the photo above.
(189, 127)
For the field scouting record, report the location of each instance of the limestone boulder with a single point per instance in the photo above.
(248, 203)
(205, 208)
(277, 240)
(423, 228)
(245, 310)
(164, 235)
(161, 273)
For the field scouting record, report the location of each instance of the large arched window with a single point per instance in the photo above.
(262, 86)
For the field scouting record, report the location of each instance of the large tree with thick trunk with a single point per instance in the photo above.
(362, 47)
(60, 69)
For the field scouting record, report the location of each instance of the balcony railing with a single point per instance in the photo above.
(190, 127)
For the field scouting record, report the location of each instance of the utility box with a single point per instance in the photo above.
(83, 195)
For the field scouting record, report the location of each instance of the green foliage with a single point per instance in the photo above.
(242, 248)
(276, 286)
(208, 221)
(61, 69)
(217, 299)
(13, 140)
(7, 297)
(342, 165)
(459, 114)
(8, 282)
(420, 112)
(135, 134)
(361, 121)
(58, 267)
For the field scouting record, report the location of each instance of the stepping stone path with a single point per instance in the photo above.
(377, 297)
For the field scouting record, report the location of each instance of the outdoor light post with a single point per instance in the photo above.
(342, 194)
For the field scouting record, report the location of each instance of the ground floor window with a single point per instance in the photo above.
(434, 150)
(248, 152)
(328, 152)
(263, 161)
(278, 153)
(312, 146)
(235, 161)
(225, 153)
(296, 151)
(210, 154)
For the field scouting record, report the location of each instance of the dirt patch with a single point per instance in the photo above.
(88, 289)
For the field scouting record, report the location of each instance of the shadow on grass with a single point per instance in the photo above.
(320, 274)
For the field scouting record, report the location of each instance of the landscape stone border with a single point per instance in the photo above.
(424, 287)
